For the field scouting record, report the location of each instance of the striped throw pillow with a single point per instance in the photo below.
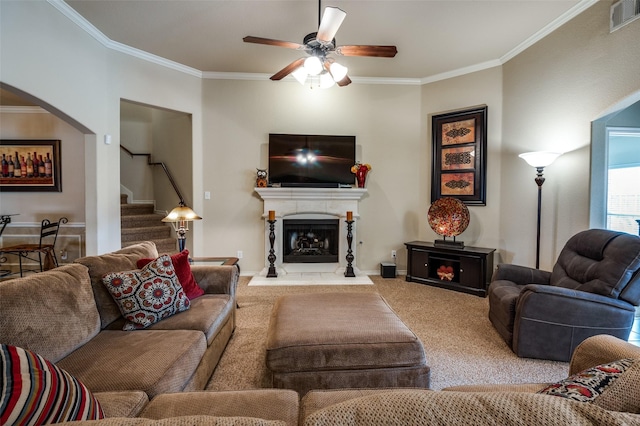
(36, 392)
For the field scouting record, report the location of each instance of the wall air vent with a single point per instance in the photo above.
(624, 12)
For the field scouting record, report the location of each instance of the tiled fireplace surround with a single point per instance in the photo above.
(310, 203)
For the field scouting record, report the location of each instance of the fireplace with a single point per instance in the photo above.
(320, 205)
(310, 240)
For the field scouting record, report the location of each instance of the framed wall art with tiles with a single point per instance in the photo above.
(459, 141)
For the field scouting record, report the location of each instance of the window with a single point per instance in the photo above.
(623, 180)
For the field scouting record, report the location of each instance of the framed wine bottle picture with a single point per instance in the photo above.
(30, 166)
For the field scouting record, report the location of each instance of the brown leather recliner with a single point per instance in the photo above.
(593, 289)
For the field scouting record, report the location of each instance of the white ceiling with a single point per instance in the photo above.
(435, 38)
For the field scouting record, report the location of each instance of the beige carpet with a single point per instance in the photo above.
(461, 345)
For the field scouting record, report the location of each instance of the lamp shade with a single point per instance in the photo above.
(313, 65)
(181, 213)
(300, 74)
(338, 71)
(326, 80)
(540, 158)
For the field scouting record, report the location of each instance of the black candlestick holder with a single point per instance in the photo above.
(349, 270)
(271, 273)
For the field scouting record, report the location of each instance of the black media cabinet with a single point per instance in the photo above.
(467, 269)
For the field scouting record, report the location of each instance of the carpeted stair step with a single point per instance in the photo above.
(141, 220)
(146, 233)
(136, 209)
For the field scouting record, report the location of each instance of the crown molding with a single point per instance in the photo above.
(79, 20)
(89, 28)
(461, 71)
(290, 79)
(548, 29)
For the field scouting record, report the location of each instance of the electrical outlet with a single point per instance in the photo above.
(239, 256)
(393, 254)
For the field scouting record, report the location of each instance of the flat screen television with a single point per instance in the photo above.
(311, 160)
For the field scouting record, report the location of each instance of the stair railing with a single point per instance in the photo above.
(155, 163)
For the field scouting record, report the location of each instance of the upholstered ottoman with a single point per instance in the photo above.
(342, 340)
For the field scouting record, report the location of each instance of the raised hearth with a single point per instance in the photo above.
(322, 204)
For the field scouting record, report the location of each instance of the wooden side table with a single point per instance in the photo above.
(467, 269)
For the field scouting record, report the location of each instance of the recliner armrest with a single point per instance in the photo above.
(521, 275)
(546, 293)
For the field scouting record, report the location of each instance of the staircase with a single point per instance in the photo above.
(139, 222)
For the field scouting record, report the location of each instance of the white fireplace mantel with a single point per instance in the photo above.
(310, 203)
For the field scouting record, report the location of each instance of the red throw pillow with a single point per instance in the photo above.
(183, 272)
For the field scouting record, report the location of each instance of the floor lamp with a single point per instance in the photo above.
(181, 215)
(539, 160)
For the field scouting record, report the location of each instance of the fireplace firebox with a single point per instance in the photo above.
(310, 240)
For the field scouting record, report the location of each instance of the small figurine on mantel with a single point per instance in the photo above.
(261, 178)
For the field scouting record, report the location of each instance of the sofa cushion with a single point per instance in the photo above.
(207, 314)
(35, 391)
(183, 271)
(61, 299)
(153, 361)
(122, 403)
(121, 260)
(268, 404)
(147, 295)
(612, 386)
(183, 421)
(465, 408)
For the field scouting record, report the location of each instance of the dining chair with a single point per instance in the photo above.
(44, 249)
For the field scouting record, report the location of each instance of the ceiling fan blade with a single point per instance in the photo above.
(272, 42)
(363, 50)
(331, 21)
(288, 69)
(344, 82)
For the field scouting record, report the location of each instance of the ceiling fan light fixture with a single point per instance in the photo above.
(338, 72)
(300, 74)
(326, 81)
(313, 65)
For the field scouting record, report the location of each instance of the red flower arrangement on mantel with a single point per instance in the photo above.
(361, 170)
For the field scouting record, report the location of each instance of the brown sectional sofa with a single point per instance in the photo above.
(491, 404)
(155, 376)
(67, 316)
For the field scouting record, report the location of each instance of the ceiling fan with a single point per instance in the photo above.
(318, 46)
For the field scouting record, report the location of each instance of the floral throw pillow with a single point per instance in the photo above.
(589, 384)
(148, 295)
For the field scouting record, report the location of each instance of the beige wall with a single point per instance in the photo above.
(136, 124)
(552, 93)
(386, 121)
(35, 206)
(69, 72)
(484, 87)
